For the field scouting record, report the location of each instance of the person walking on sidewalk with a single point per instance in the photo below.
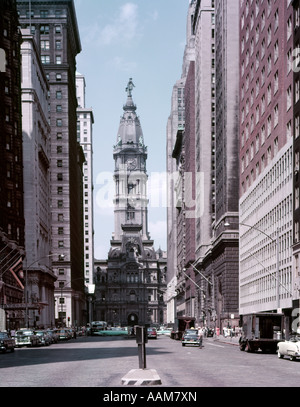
(200, 334)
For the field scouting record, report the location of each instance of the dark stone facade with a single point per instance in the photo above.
(11, 170)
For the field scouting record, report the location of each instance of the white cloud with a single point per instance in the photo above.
(121, 65)
(154, 15)
(124, 27)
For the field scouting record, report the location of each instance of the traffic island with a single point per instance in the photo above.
(141, 377)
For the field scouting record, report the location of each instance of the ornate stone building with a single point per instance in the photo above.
(135, 277)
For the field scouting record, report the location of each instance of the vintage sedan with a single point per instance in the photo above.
(164, 331)
(151, 333)
(6, 342)
(290, 348)
(191, 337)
(53, 335)
(26, 337)
(44, 337)
(63, 334)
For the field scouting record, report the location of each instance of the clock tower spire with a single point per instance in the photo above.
(130, 176)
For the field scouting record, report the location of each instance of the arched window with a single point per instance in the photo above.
(132, 295)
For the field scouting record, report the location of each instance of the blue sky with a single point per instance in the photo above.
(143, 40)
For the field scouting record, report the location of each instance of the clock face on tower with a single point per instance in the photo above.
(131, 163)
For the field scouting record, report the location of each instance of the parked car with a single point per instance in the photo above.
(191, 337)
(210, 332)
(167, 331)
(289, 348)
(71, 332)
(151, 333)
(53, 335)
(44, 337)
(6, 342)
(26, 337)
(63, 334)
(164, 331)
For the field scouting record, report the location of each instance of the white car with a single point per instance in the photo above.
(289, 348)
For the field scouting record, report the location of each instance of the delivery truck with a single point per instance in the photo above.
(181, 324)
(261, 331)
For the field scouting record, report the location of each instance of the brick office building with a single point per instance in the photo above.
(296, 156)
(266, 155)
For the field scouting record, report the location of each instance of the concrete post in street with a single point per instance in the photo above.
(141, 340)
(141, 376)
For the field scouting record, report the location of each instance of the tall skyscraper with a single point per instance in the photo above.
(175, 120)
(37, 199)
(11, 169)
(85, 121)
(215, 26)
(296, 156)
(224, 270)
(205, 133)
(266, 157)
(175, 296)
(205, 150)
(135, 279)
(55, 30)
(204, 31)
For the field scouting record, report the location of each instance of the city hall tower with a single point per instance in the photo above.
(135, 275)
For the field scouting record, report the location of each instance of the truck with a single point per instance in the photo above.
(261, 331)
(181, 324)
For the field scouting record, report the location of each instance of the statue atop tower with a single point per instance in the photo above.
(130, 87)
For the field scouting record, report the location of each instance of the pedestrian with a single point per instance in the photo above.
(200, 334)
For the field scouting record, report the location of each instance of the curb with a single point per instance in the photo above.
(141, 377)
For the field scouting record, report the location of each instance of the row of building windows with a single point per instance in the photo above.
(42, 13)
(45, 45)
(275, 225)
(275, 178)
(44, 29)
(266, 12)
(46, 59)
(264, 289)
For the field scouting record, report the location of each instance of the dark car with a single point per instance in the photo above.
(191, 337)
(63, 334)
(44, 337)
(53, 335)
(210, 332)
(6, 342)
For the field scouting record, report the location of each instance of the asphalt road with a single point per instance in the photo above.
(94, 362)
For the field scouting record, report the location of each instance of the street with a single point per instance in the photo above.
(101, 362)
